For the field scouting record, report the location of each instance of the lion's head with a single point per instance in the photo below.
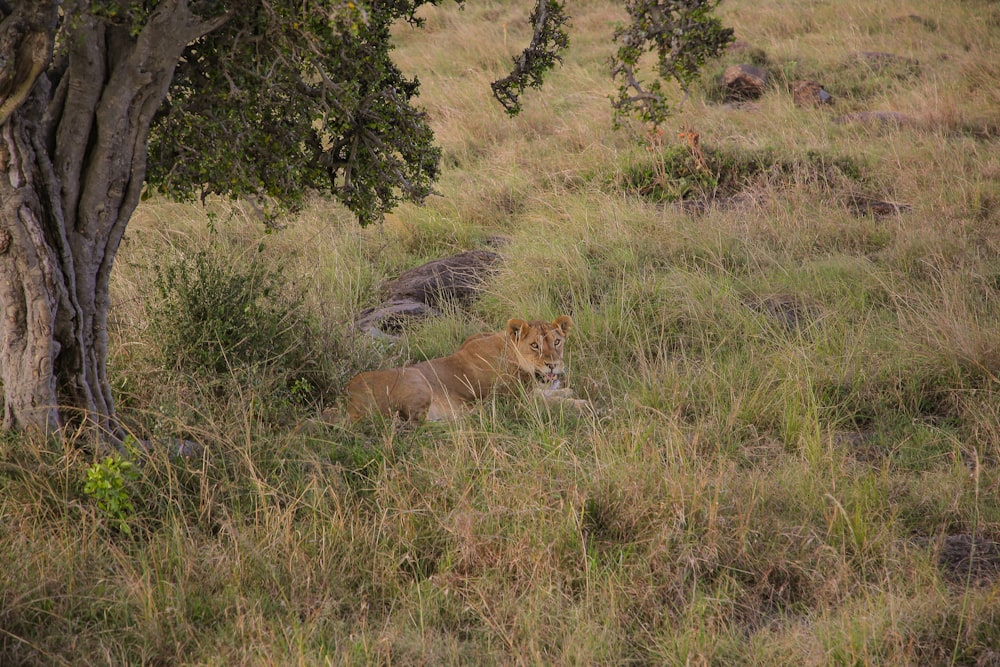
(539, 345)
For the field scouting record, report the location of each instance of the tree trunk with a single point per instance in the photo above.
(73, 162)
(29, 276)
(47, 331)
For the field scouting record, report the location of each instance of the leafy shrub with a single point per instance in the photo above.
(106, 484)
(680, 172)
(213, 317)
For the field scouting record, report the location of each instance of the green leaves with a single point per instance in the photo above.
(292, 97)
(542, 54)
(216, 314)
(684, 35)
(106, 484)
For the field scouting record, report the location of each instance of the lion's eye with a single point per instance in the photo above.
(534, 346)
(558, 342)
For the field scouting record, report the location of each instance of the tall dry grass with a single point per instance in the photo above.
(796, 458)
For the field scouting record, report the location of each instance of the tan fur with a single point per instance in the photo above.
(524, 356)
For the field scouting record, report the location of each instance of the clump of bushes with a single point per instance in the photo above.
(689, 172)
(213, 317)
(223, 317)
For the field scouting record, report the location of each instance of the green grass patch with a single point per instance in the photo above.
(684, 172)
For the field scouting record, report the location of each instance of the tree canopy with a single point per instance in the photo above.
(288, 97)
(292, 96)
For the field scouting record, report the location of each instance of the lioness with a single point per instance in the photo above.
(525, 355)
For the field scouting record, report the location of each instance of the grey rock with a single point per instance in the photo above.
(392, 316)
(808, 93)
(457, 278)
(416, 294)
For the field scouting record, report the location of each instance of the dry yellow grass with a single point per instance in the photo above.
(800, 399)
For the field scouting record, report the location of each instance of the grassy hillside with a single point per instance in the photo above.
(793, 337)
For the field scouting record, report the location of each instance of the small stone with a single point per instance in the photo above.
(808, 93)
(498, 241)
(971, 558)
(744, 82)
(175, 447)
(879, 60)
(863, 205)
(792, 312)
(930, 24)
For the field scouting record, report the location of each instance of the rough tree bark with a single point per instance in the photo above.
(73, 137)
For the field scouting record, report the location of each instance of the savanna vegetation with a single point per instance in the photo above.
(791, 328)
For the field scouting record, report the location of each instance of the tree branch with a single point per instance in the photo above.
(547, 40)
(26, 38)
(684, 35)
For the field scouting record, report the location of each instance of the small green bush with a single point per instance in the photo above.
(106, 484)
(215, 316)
(680, 172)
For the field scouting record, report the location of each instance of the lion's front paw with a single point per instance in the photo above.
(556, 393)
(563, 397)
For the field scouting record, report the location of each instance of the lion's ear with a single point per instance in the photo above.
(516, 328)
(563, 322)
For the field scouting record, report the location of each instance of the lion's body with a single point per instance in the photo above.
(522, 357)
